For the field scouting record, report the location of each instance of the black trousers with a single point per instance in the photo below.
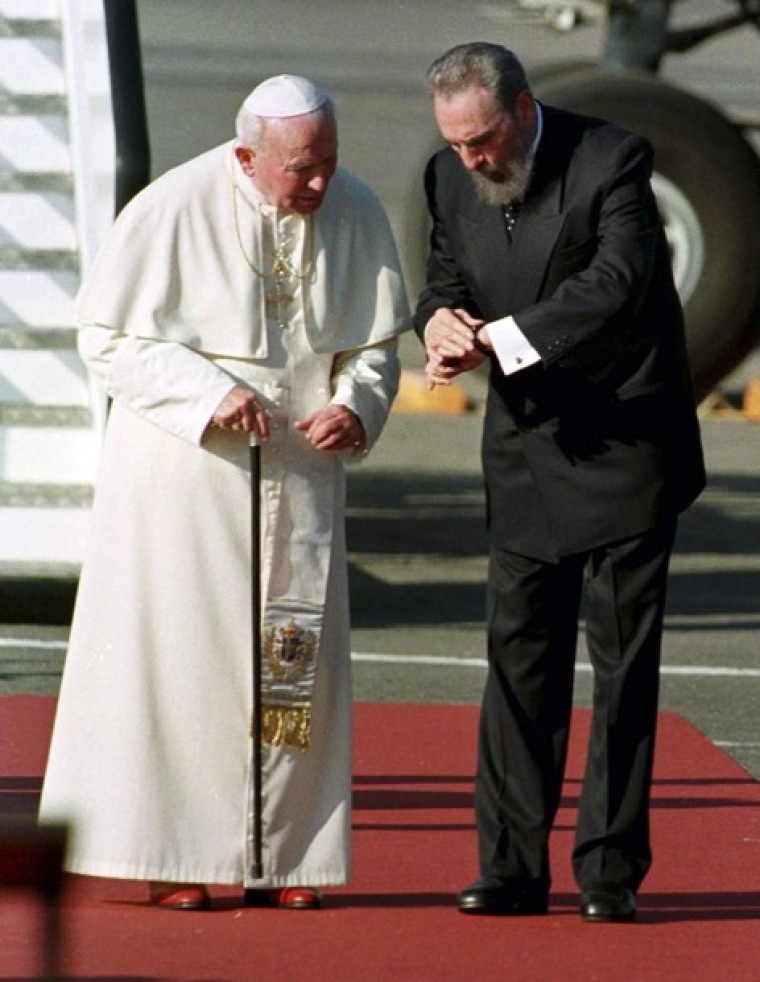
(533, 613)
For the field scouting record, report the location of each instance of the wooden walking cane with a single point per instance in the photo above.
(257, 869)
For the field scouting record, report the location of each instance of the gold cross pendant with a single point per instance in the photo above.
(275, 300)
(277, 297)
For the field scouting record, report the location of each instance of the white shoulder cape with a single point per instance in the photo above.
(171, 268)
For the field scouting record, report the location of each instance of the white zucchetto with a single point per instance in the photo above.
(285, 95)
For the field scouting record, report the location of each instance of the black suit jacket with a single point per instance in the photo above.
(600, 440)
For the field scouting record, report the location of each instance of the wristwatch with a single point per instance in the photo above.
(479, 346)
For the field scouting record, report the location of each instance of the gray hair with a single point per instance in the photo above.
(251, 129)
(491, 66)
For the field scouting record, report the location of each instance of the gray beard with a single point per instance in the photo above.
(492, 191)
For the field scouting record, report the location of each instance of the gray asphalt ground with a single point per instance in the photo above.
(415, 523)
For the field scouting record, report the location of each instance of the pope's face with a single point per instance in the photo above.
(296, 161)
(491, 143)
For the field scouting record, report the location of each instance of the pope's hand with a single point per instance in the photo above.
(333, 428)
(241, 411)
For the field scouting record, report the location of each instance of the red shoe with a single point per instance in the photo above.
(179, 896)
(286, 898)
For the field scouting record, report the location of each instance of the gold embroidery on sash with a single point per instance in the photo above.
(289, 650)
(288, 726)
(289, 654)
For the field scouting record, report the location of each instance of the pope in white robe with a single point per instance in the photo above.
(252, 293)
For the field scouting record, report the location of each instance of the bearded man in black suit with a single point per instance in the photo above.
(548, 258)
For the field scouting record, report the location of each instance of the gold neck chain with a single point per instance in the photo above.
(281, 265)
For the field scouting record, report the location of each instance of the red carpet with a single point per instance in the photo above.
(414, 847)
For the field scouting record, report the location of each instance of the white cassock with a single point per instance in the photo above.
(151, 756)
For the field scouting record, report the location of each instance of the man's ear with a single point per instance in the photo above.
(525, 108)
(246, 158)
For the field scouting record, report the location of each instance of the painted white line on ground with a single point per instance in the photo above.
(711, 671)
(719, 671)
(33, 643)
(727, 621)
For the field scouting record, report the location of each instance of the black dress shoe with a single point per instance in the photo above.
(603, 902)
(494, 895)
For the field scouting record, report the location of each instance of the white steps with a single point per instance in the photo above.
(50, 96)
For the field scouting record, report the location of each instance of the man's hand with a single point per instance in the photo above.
(449, 345)
(333, 428)
(241, 411)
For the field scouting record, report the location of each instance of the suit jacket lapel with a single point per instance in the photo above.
(538, 226)
(490, 231)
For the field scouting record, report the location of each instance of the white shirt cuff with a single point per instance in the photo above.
(512, 349)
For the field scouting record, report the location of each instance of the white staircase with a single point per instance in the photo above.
(56, 200)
